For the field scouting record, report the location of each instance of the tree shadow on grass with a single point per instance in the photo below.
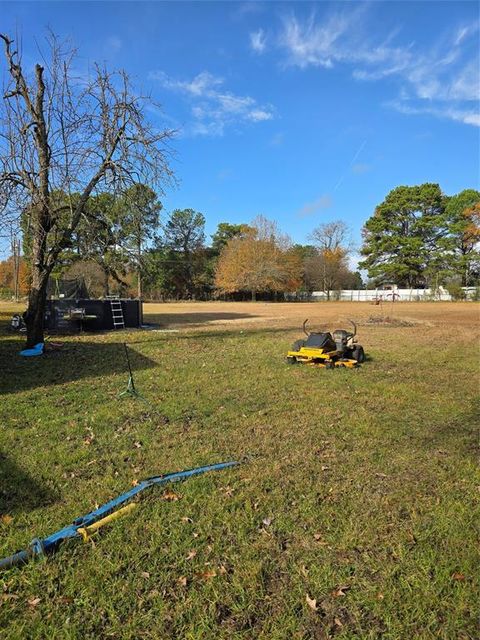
(194, 319)
(458, 435)
(19, 491)
(75, 361)
(156, 336)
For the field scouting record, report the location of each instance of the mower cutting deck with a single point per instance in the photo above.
(328, 350)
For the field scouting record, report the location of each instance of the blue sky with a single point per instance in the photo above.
(302, 112)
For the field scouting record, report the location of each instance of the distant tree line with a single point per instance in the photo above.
(416, 237)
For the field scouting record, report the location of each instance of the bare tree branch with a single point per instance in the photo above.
(63, 136)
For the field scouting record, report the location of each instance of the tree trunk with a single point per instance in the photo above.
(254, 296)
(35, 314)
(139, 272)
(106, 287)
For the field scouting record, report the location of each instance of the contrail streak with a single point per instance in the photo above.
(358, 152)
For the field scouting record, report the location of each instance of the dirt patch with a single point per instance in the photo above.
(387, 321)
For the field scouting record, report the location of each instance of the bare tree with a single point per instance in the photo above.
(331, 236)
(328, 271)
(329, 268)
(61, 134)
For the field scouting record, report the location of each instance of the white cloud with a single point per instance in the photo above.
(466, 116)
(360, 168)
(277, 139)
(308, 209)
(213, 108)
(447, 73)
(248, 8)
(258, 41)
(113, 44)
(309, 44)
(465, 32)
(234, 104)
(204, 84)
(257, 115)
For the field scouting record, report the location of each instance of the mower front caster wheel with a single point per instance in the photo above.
(290, 360)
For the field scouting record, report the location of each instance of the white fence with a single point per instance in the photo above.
(400, 295)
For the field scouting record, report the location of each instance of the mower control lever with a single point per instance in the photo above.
(304, 329)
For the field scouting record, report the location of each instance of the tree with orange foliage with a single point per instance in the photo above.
(7, 277)
(259, 259)
(462, 242)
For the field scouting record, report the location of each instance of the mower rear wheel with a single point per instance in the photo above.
(290, 360)
(358, 354)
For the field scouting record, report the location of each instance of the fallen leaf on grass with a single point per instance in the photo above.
(458, 576)
(312, 603)
(206, 575)
(6, 519)
(33, 602)
(380, 596)
(185, 519)
(137, 445)
(170, 496)
(222, 570)
(324, 467)
(8, 596)
(182, 581)
(340, 591)
(267, 521)
(191, 554)
(411, 538)
(145, 574)
(135, 483)
(338, 623)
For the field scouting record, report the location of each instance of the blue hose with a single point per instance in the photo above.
(39, 547)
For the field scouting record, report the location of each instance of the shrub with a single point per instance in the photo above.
(456, 291)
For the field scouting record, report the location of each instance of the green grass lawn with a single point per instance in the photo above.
(354, 514)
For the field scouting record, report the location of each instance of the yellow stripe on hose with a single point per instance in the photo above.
(85, 532)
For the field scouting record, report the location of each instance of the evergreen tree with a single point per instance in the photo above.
(402, 237)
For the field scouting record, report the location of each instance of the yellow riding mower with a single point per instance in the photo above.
(329, 350)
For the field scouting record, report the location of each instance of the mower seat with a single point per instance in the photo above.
(320, 341)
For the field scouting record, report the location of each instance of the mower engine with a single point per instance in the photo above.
(344, 340)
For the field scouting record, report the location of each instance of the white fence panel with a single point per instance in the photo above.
(400, 295)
